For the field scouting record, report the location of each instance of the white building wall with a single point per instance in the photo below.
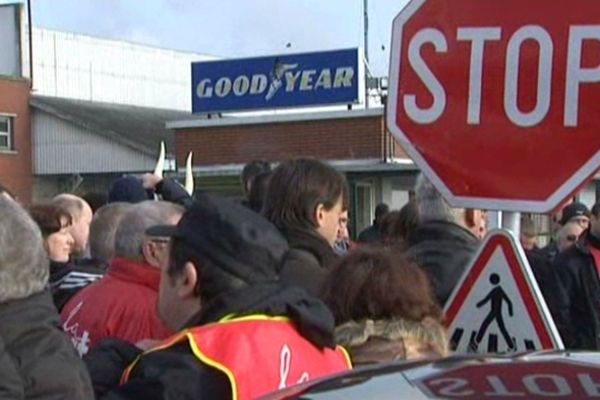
(60, 147)
(399, 199)
(88, 68)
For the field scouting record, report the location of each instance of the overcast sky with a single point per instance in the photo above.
(229, 28)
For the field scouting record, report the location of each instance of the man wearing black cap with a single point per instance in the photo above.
(242, 335)
(576, 212)
(573, 212)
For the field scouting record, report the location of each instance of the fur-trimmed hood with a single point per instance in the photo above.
(378, 341)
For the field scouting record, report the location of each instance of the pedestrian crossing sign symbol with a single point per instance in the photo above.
(497, 306)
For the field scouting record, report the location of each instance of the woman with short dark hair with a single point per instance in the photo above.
(305, 200)
(384, 307)
(54, 222)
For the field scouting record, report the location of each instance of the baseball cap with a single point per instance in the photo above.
(128, 189)
(573, 210)
(236, 239)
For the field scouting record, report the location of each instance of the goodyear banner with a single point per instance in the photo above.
(290, 80)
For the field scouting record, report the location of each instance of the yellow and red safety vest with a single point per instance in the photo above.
(259, 354)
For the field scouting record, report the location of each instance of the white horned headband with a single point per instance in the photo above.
(160, 166)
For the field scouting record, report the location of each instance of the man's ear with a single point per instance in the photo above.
(320, 215)
(189, 281)
(149, 253)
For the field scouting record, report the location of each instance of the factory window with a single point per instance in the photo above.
(6, 133)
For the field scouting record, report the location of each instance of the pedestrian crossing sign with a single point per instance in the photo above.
(497, 307)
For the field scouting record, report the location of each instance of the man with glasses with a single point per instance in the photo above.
(575, 212)
(123, 304)
(569, 234)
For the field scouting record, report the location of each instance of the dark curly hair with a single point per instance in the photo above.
(379, 283)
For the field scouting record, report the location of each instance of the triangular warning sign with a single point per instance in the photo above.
(497, 306)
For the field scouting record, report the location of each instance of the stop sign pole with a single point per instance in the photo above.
(497, 101)
(509, 220)
(512, 221)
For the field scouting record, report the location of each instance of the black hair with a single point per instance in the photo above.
(397, 226)
(297, 187)
(252, 170)
(212, 280)
(258, 191)
(380, 210)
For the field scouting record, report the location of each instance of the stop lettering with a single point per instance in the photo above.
(509, 380)
(497, 100)
(477, 37)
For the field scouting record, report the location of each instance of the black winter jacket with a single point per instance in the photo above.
(171, 190)
(37, 360)
(175, 373)
(66, 279)
(307, 262)
(443, 250)
(541, 262)
(578, 312)
(372, 234)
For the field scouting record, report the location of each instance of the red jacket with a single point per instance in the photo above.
(120, 305)
(258, 354)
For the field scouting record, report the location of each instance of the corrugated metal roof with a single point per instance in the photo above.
(139, 128)
(61, 147)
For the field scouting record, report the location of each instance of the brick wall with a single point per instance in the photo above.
(335, 139)
(16, 166)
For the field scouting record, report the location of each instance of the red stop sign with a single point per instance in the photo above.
(498, 102)
(515, 380)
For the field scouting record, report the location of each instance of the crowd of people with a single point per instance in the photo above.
(149, 293)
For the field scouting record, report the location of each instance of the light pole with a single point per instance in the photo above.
(366, 49)
(30, 28)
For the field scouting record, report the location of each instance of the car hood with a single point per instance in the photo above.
(539, 375)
